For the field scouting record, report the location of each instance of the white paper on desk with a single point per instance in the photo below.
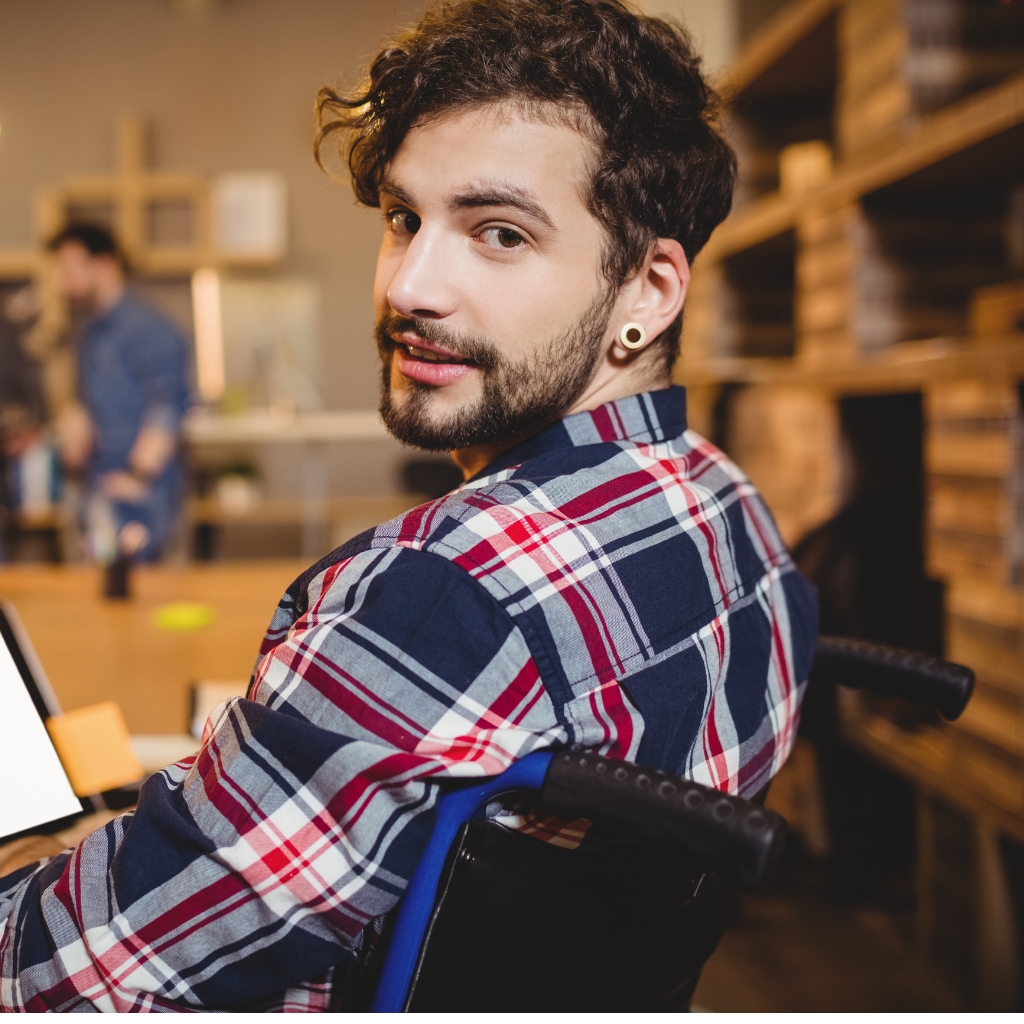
(33, 786)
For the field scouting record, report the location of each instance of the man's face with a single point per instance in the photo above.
(491, 307)
(76, 272)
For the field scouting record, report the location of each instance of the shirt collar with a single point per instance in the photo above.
(647, 418)
(111, 314)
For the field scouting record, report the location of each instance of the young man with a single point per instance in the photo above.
(133, 391)
(546, 171)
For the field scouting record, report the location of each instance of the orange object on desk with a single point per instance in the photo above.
(95, 749)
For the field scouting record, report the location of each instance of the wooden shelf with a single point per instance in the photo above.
(947, 763)
(19, 263)
(938, 136)
(905, 378)
(773, 40)
(907, 367)
(129, 193)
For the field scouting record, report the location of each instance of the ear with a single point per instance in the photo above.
(659, 289)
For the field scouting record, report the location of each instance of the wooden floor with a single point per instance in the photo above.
(95, 650)
(794, 948)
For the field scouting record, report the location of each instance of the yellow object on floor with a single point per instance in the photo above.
(95, 749)
(183, 616)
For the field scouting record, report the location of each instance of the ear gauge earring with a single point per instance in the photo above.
(633, 336)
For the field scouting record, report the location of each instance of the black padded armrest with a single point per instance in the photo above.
(894, 672)
(702, 823)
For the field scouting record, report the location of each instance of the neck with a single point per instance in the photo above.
(479, 456)
(472, 460)
(108, 293)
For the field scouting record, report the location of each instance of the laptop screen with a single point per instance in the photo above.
(34, 788)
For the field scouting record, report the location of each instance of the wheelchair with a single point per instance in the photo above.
(495, 920)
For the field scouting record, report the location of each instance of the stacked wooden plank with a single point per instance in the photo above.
(787, 441)
(973, 462)
(996, 311)
(955, 47)
(867, 279)
(704, 316)
(873, 95)
(825, 265)
(900, 59)
(970, 456)
(742, 306)
(903, 254)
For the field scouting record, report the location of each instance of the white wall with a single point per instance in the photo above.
(232, 89)
(713, 24)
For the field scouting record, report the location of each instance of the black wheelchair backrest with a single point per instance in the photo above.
(495, 919)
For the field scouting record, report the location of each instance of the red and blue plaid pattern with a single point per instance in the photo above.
(613, 583)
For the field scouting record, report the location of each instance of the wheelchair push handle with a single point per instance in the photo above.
(703, 823)
(894, 672)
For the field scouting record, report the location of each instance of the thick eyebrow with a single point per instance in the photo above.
(391, 187)
(500, 195)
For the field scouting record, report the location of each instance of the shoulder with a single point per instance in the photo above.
(139, 316)
(367, 578)
(589, 504)
(564, 521)
(390, 628)
(608, 491)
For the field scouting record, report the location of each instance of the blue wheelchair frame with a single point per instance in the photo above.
(453, 811)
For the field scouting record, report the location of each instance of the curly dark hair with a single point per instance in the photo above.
(94, 238)
(663, 170)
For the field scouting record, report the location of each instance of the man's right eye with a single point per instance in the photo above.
(404, 220)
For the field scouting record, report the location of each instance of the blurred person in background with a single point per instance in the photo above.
(124, 432)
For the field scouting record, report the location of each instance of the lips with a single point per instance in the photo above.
(429, 363)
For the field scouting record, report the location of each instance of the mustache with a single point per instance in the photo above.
(478, 350)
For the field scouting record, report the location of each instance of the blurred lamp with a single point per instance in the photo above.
(206, 315)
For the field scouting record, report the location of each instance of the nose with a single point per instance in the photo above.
(423, 284)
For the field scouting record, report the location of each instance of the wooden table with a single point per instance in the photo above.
(94, 649)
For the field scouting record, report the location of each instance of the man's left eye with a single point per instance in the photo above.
(502, 238)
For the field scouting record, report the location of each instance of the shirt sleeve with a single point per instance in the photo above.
(254, 867)
(162, 367)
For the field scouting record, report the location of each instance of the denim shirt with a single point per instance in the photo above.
(132, 371)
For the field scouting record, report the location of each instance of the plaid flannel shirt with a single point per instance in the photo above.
(613, 583)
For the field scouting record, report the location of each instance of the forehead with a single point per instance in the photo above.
(551, 160)
(73, 249)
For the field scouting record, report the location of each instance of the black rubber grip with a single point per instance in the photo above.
(894, 672)
(704, 824)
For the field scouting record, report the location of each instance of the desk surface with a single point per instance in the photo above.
(266, 427)
(95, 650)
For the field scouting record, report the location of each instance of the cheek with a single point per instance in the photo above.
(72, 282)
(387, 267)
(529, 309)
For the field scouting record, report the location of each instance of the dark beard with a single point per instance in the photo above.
(518, 397)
